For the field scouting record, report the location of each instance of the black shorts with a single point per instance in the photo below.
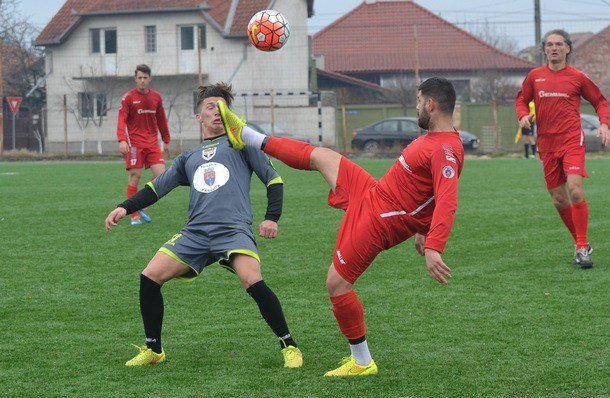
(528, 132)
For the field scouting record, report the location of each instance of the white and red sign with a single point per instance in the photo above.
(14, 103)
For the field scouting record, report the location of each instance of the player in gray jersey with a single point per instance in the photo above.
(218, 229)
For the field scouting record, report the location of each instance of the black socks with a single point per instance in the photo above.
(151, 307)
(271, 310)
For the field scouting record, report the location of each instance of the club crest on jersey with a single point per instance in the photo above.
(448, 172)
(208, 153)
(210, 176)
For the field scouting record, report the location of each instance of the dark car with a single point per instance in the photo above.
(265, 128)
(590, 126)
(398, 132)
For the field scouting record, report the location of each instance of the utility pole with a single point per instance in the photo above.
(199, 74)
(416, 46)
(199, 46)
(538, 32)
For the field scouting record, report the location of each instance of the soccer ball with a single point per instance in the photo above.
(268, 30)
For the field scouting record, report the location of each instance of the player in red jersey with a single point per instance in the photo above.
(417, 196)
(556, 89)
(141, 118)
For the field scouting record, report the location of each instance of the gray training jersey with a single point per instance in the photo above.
(219, 177)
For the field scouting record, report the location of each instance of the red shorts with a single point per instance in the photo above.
(137, 158)
(557, 165)
(363, 233)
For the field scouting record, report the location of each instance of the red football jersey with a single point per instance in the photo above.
(557, 98)
(141, 117)
(423, 183)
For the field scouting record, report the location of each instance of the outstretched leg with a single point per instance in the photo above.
(296, 154)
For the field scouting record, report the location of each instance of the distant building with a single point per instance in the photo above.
(385, 42)
(592, 56)
(93, 46)
(531, 52)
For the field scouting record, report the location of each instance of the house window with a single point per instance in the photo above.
(150, 38)
(110, 41)
(187, 41)
(202, 37)
(95, 41)
(92, 105)
(107, 45)
(188, 37)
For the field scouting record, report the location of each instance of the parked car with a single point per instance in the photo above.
(590, 125)
(265, 128)
(398, 131)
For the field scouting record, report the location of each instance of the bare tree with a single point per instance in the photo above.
(500, 39)
(93, 96)
(22, 62)
(490, 84)
(402, 90)
(179, 96)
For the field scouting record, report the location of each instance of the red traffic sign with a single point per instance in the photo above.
(14, 103)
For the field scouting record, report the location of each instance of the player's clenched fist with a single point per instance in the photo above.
(268, 229)
(114, 217)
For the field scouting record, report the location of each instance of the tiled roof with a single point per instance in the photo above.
(592, 57)
(379, 37)
(73, 11)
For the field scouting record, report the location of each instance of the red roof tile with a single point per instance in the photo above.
(379, 37)
(244, 12)
(73, 11)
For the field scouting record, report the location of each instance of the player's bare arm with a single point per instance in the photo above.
(420, 241)
(436, 267)
(604, 134)
(114, 217)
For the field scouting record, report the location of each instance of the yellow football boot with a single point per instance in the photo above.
(293, 358)
(233, 125)
(145, 357)
(349, 367)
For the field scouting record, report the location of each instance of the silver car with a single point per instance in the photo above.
(590, 125)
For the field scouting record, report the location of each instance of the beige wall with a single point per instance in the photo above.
(286, 69)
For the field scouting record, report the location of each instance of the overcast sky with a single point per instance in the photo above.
(510, 17)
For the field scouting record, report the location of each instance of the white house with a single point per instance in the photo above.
(93, 46)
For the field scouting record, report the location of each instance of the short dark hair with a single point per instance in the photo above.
(223, 90)
(440, 90)
(560, 32)
(143, 68)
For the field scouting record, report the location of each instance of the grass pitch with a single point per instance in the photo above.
(516, 320)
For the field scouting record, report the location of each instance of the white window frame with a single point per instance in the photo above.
(150, 38)
(102, 40)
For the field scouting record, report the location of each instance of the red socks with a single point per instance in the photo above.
(349, 313)
(131, 190)
(580, 214)
(566, 215)
(295, 154)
